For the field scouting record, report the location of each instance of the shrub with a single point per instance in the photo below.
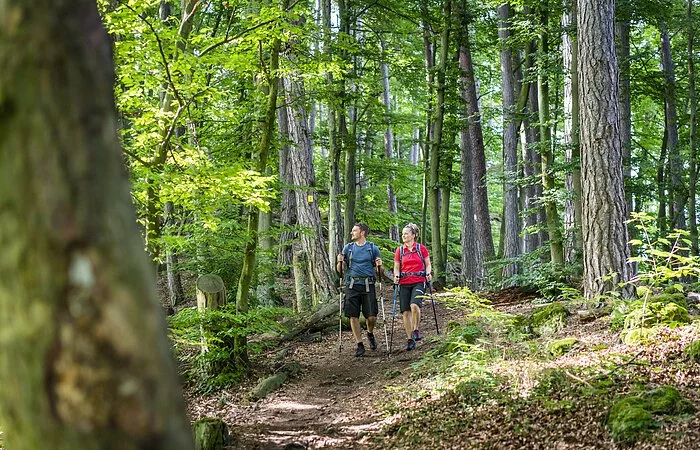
(692, 351)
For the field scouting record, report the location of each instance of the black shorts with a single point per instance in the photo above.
(358, 298)
(411, 294)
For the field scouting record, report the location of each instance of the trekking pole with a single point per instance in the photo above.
(340, 313)
(432, 300)
(393, 316)
(381, 299)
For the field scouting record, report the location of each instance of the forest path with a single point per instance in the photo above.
(332, 402)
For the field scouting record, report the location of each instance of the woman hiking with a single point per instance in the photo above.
(412, 269)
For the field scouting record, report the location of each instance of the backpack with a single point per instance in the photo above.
(418, 250)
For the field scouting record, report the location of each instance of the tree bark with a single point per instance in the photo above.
(84, 359)
(572, 213)
(336, 236)
(288, 209)
(175, 291)
(429, 58)
(677, 197)
(308, 214)
(438, 256)
(556, 248)
(605, 248)
(483, 249)
(692, 100)
(511, 219)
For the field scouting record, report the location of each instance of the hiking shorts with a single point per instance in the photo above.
(411, 294)
(358, 298)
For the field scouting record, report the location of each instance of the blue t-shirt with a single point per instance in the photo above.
(363, 257)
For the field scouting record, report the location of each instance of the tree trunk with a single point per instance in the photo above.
(388, 143)
(429, 57)
(84, 358)
(265, 290)
(251, 246)
(157, 163)
(622, 35)
(572, 214)
(511, 219)
(348, 141)
(288, 209)
(556, 249)
(309, 216)
(211, 292)
(175, 291)
(438, 258)
(605, 248)
(675, 185)
(336, 236)
(483, 249)
(693, 180)
(302, 302)
(210, 433)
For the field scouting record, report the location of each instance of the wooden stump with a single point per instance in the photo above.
(211, 292)
(210, 433)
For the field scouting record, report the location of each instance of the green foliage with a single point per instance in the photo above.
(692, 351)
(549, 319)
(215, 368)
(561, 346)
(631, 417)
(639, 317)
(548, 279)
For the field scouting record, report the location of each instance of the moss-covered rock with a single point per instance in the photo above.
(629, 419)
(633, 416)
(692, 351)
(549, 319)
(667, 400)
(561, 346)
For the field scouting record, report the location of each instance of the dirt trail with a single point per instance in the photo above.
(331, 403)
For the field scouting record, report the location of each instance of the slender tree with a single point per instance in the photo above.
(84, 358)
(605, 250)
(511, 219)
(693, 119)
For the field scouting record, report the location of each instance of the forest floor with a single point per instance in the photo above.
(495, 395)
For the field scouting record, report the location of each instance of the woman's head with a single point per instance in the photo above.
(410, 232)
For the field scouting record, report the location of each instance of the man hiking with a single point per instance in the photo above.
(411, 272)
(361, 257)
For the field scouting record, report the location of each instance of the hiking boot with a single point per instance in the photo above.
(411, 344)
(360, 350)
(417, 336)
(372, 341)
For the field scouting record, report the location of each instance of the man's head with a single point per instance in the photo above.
(359, 231)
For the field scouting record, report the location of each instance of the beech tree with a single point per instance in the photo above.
(84, 359)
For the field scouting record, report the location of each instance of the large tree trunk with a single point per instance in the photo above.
(605, 250)
(572, 212)
(84, 358)
(676, 191)
(288, 208)
(693, 180)
(309, 216)
(556, 248)
(511, 219)
(483, 240)
(622, 37)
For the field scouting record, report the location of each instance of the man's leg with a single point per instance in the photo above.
(356, 330)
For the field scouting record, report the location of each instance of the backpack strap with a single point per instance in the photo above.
(420, 254)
